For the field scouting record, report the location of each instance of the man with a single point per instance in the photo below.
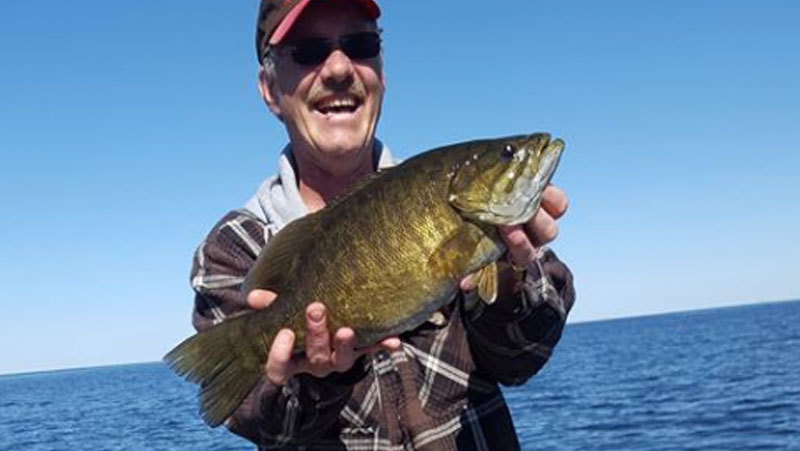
(434, 387)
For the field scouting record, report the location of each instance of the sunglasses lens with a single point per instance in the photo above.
(311, 51)
(361, 46)
(358, 46)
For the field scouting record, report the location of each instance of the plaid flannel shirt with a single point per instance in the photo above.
(439, 391)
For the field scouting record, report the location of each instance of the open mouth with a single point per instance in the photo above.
(524, 202)
(340, 104)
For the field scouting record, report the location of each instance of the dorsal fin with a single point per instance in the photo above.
(361, 183)
(278, 255)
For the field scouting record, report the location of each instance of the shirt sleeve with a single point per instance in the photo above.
(513, 338)
(306, 406)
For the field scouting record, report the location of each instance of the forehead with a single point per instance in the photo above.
(330, 18)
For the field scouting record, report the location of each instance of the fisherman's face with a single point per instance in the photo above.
(330, 109)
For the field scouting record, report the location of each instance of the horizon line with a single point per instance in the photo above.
(23, 373)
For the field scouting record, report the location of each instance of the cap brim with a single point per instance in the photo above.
(370, 7)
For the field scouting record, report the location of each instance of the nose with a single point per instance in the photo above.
(337, 69)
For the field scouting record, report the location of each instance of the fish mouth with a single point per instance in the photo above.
(523, 202)
(502, 183)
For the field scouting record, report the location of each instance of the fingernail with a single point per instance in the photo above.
(285, 337)
(316, 315)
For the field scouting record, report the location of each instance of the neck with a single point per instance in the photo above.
(318, 185)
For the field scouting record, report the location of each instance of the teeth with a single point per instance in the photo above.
(338, 103)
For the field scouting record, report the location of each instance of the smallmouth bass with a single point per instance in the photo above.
(382, 257)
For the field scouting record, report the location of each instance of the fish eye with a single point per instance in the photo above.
(509, 150)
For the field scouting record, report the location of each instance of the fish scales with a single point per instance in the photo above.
(382, 257)
(387, 251)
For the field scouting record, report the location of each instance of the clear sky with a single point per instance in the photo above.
(128, 128)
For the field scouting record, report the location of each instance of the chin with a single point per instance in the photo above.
(337, 145)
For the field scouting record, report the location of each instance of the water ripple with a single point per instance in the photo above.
(711, 380)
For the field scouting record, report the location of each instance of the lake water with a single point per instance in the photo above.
(722, 379)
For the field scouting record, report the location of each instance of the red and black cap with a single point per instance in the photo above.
(276, 17)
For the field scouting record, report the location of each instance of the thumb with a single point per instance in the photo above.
(468, 283)
(259, 299)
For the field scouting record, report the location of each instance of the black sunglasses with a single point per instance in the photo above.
(313, 51)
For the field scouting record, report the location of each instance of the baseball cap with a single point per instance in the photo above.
(276, 17)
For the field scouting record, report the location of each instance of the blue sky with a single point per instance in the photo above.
(128, 128)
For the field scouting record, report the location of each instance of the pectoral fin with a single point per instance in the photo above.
(470, 247)
(487, 283)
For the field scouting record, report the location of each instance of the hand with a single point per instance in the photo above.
(321, 357)
(523, 240)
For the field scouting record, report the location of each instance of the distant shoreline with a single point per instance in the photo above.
(74, 369)
(681, 312)
(24, 373)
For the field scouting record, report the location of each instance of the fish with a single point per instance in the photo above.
(382, 257)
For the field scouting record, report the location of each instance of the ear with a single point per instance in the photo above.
(383, 75)
(267, 88)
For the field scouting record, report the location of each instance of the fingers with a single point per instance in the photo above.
(318, 342)
(343, 355)
(323, 355)
(259, 299)
(554, 201)
(390, 344)
(280, 366)
(468, 283)
(522, 241)
(542, 229)
(520, 249)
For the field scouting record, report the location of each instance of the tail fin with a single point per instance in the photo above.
(225, 361)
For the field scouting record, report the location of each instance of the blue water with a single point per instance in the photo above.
(724, 379)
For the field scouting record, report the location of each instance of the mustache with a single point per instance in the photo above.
(353, 89)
